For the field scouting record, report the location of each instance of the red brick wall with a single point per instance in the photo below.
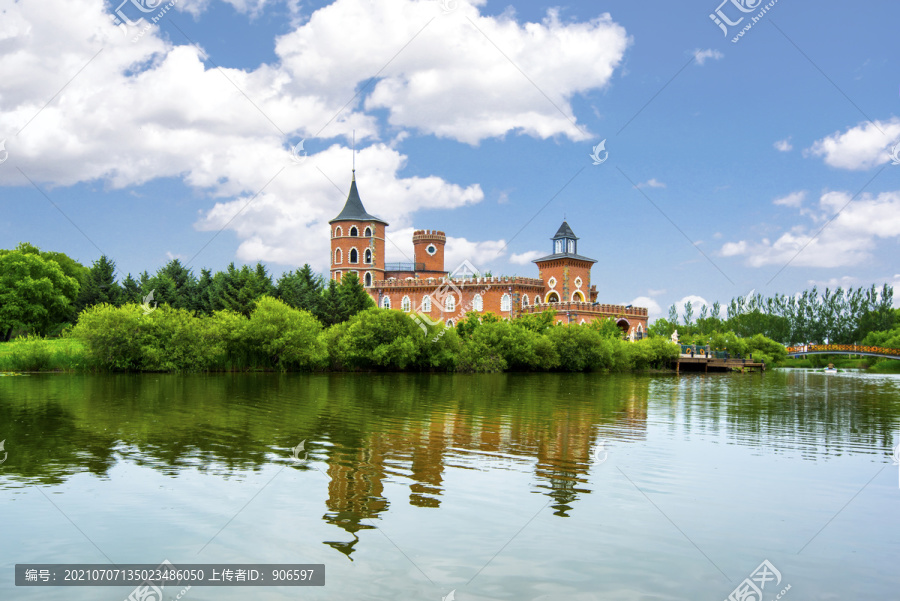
(343, 241)
(566, 273)
(421, 240)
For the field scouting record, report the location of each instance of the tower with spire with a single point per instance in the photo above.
(566, 274)
(357, 241)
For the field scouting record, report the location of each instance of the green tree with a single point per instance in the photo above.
(330, 309)
(375, 339)
(285, 338)
(301, 289)
(131, 291)
(353, 297)
(100, 285)
(35, 293)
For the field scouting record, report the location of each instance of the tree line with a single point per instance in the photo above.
(42, 292)
(838, 316)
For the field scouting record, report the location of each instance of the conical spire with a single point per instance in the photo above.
(353, 209)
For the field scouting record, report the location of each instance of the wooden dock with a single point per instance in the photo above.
(705, 364)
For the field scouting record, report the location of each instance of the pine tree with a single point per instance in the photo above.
(330, 309)
(353, 297)
(100, 285)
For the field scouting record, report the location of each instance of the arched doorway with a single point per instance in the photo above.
(624, 325)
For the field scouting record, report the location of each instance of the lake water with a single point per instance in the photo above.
(509, 486)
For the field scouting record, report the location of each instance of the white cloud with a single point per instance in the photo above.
(480, 254)
(287, 222)
(861, 147)
(526, 257)
(784, 145)
(651, 183)
(702, 55)
(151, 109)
(654, 311)
(697, 303)
(453, 81)
(793, 200)
(848, 240)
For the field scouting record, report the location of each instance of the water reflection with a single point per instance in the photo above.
(363, 431)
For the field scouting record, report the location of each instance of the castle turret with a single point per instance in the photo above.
(429, 250)
(566, 274)
(357, 241)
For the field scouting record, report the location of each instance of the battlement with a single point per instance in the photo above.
(460, 282)
(611, 310)
(429, 235)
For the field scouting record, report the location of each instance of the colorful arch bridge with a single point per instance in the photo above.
(842, 349)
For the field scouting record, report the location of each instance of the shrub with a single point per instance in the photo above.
(283, 337)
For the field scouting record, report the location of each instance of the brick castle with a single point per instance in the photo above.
(426, 289)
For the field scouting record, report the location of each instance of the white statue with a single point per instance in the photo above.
(675, 336)
(631, 335)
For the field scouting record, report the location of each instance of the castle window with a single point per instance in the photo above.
(337, 276)
(478, 303)
(368, 232)
(405, 304)
(552, 297)
(559, 246)
(338, 232)
(450, 303)
(386, 302)
(552, 283)
(368, 278)
(426, 304)
(525, 301)
(337, 256)
(354, 256)
(368, 255)
(354, 231)
(572, 246)
(431, 249)
(577, 297)
(578, 282)
(505, 303)
(449, 323)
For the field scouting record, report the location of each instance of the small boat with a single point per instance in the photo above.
(831, 369)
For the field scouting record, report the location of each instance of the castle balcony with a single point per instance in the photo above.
(404, 266)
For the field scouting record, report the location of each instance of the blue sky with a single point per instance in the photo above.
(480, 122)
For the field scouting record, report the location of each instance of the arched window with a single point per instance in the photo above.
(368, 256)
(571, 249)
(337, 256)
(552, 297)
(353, 231)
(450, 303)
(338, 232)
(405, 304)
(385, 302)
(368, 278)
(426, 304)
(368, 232)
(525, 301)
(337, 275)
(577, 297)
(354, 256)
(640, 328)
(505, 303)
(559, 246)
(478, 303)
(449, 323)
